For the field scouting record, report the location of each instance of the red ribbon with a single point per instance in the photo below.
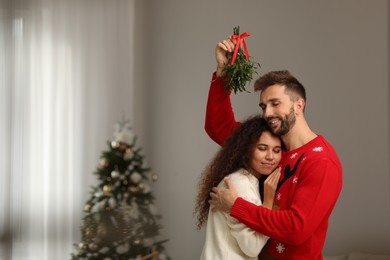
(240, 39)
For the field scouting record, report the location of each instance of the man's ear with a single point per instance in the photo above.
(300, 105)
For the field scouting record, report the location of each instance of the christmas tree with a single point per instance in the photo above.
(121, 221)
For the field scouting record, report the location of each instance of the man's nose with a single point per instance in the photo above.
(267, 112)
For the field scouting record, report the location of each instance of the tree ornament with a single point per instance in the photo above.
(154, 177)
(146, 187)
(82, 246)
(123, 146)
(128, 154)
(90, 232)
(147, 242)
(136, 177)
(98, 194)
(134, 189)
(121, 249)
(93, 246)
(162, 256)
(87, 207)
(104, 250)
(107, 189)
(241, 67)
(104, 163)
(115, 144)
(141, 185)
(112, 202)
(115, 174)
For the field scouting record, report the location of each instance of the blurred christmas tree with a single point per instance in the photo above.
(121, 220)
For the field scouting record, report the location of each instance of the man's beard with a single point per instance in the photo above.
(287, 122)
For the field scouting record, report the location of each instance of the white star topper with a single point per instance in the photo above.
(123, 132)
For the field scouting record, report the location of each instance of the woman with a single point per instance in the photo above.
(248, 158)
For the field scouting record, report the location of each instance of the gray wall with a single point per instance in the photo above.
(340, 52)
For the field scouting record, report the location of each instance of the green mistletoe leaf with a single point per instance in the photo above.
(238, 74)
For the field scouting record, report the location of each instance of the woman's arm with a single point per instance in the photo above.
(249, 241)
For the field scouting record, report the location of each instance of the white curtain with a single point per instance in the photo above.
(66, 79)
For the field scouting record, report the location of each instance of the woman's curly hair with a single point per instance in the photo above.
(235, 154)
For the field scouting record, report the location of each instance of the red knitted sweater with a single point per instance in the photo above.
(309, 186)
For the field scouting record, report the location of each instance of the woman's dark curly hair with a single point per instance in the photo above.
(235, 154)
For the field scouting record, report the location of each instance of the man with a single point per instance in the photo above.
(311, 177)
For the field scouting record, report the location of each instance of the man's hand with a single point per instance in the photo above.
(223, 199)
(222, 49)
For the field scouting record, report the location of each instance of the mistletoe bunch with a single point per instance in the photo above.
(240, 67)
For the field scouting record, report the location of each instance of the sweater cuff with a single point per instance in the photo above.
(219, 82)
(217, 79)
(240, 208)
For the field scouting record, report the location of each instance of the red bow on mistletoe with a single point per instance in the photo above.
(240, 39)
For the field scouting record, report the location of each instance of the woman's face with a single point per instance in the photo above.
(266, 155)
